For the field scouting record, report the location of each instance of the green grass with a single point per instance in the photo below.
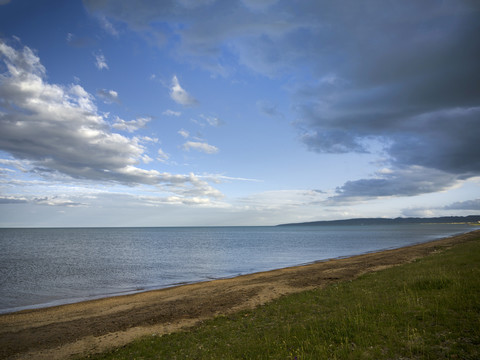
(429, 309)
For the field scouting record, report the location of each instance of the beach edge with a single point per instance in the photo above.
(92, 326)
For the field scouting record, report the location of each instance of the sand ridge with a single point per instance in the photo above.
(65, 331)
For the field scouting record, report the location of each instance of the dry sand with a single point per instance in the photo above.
(93, 326)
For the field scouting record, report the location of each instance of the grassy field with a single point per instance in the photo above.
(429, 309)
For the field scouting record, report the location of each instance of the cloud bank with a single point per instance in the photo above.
(55, 130)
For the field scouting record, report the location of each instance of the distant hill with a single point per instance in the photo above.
(399, 220)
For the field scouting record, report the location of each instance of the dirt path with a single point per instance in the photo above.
(93, 326)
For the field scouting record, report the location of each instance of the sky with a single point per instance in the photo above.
(239, 112)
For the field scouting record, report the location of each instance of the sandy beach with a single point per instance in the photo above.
(94, 326)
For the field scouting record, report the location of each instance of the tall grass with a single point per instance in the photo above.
(429, 309)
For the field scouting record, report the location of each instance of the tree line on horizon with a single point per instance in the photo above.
(470, 219)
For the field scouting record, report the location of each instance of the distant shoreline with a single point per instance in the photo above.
(467, 220)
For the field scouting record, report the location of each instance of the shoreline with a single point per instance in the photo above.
(91, 326)
(97, 295)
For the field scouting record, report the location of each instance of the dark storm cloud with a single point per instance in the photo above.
(465, 205)
(407, 76)
(446, 140)
(409, 181)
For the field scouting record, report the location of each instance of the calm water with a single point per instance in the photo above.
(44, 267)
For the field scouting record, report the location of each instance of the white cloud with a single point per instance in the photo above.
(200, 188)
(149, 139)
(282, 199)
(131, 125)
(217, 178)
(172, 113)
(108, 96)
(108, 26)
(146, 159)
(184, 133)
(100, 61)
(212, 120)
(162, 156)
(56, 201)
(418, 212)
(21, 165)
(200, 146)
(179, 95)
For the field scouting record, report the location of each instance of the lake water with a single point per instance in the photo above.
(45, 267)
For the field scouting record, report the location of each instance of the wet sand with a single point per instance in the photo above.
(93, 326)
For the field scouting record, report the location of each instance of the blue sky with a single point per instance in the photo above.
(248, 112)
